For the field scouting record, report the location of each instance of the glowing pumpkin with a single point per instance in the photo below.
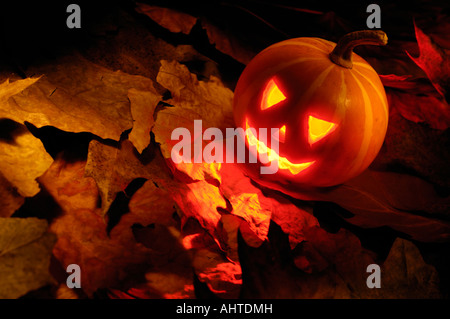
(328, 103)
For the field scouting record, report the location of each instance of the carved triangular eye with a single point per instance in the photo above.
(318, 129)
(272, 95)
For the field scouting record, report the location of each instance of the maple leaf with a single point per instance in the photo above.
(25, 251)
(434, 60)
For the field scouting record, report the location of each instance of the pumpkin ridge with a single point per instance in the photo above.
(316, 84)
(380, 95)
(359, 160)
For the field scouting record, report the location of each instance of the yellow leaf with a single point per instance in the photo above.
(23, 158)
(25, 251)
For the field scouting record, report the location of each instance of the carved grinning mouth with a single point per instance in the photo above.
(283, 162)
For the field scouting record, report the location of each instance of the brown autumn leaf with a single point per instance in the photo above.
(105, 260)
(227, 43)
(417, 100)
(76, 95)
(416, 147)
(9, 89)
(199, 200)
(222, 277)
(434, 60)
(339, 254)
(268, 271)
(114, 167)
(25, 251)
(143, 104)
(209, 101)
(174, 21)
(405, 275)
(23, 158)
(10, 199)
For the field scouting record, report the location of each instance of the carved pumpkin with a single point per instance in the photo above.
(328, 103)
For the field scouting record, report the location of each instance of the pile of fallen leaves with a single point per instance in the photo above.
(86, 176)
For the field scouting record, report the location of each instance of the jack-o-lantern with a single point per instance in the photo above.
(328, 103)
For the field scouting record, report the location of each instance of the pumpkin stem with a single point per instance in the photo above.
(343, 51)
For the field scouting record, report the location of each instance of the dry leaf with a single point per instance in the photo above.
(405, 275)
(143, 104)
(113, 168)
(366, 197)
(23, 158)
(25, 251)
(222, 276)
(174, 21)
(211, 101)
(199, 200)
(416, 147)
(76, 95)
(434, 60)
(268, 271)
(105, 261)
(10, 199)
(227, 43)
(9, 89)
(431, 109)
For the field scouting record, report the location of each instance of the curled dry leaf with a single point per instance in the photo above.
(25, 251)
(76, 95)
(23, 158)
(174, 21)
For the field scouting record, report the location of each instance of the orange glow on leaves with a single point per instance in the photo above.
(272, 95)
(318, 129)
(283, 162)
